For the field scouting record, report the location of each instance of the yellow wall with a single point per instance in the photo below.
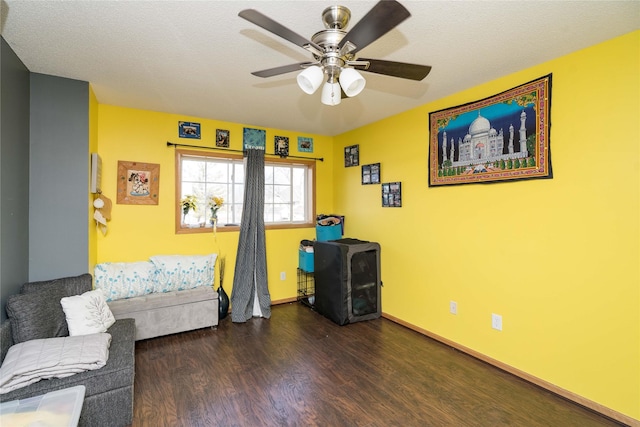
(558, 259)
(137, 232)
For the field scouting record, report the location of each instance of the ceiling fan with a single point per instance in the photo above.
(334, 50)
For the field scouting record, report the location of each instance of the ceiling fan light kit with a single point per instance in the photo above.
(334, 50)
(331, 94)
(310, 79)
(351, 81)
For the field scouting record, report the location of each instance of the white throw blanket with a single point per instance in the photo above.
(32, 361)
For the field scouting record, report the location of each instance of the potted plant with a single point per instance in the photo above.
(215, 203)
(188, 203)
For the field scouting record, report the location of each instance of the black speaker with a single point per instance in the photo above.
(347, 280)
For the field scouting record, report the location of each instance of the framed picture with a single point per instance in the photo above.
(222, 138)
(305, 145)
(371, 174)
(392, 195)
(254, 138)
(138, 183)
(189, 130)
(351, 156)
(500, 138)
(281, 146)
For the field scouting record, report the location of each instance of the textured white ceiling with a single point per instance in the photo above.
(195, 57)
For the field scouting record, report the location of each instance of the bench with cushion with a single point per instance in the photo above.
(166, 295)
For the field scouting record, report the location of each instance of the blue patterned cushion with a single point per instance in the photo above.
(178, 272)
(119, 280)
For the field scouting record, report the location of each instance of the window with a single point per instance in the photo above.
(289, 191)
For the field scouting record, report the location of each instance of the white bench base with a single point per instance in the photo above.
(167, 313)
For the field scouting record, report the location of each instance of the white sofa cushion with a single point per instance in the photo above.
(87, 313)
(120, 280)
(179, 272)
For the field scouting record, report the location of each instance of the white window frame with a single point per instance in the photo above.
(235, 158)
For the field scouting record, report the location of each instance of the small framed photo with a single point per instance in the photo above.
(305, 144)
(351, 156)
(254, 138)
(371, 174)
(138, 183)
(392, 195)
(222, 138)
(189, 130)
(281, 146)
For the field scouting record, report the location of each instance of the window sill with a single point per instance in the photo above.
(196, 229)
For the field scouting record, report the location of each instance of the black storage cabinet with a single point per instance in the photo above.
(347, 280)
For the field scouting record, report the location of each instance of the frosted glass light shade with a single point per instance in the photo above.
(331, 94)
(310, 79)
(351, 81)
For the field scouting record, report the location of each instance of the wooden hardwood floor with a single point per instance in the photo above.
(300, 369)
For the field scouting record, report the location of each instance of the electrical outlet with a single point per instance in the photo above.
(496, 321)
(453, 307)
(283, 275)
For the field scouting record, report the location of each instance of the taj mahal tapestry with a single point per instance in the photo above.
(500, 138)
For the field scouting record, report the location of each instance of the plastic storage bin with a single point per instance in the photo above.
(57, 408)
(324, 233)
(305, 261)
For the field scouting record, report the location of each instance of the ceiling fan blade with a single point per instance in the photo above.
(381, 19)
(395, 69)
(276, 28)
(282, 69)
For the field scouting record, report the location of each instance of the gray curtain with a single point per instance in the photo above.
(250, 277)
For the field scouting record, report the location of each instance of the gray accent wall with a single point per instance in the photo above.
(14, 174)
(59, 177)
(44, 176)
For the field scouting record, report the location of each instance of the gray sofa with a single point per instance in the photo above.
(36, 313)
